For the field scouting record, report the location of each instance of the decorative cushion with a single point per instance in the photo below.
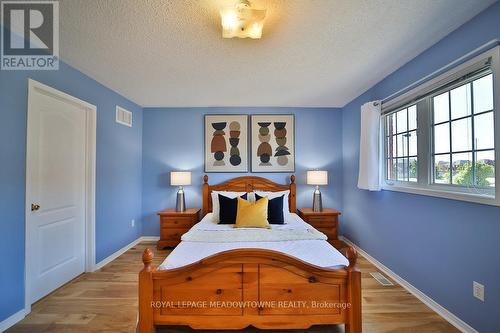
(215, 202)
(228, 208)
(274, 209)
(272, 195)
(252, 215)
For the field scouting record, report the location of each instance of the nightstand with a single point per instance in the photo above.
(326, 221)
(174, 224)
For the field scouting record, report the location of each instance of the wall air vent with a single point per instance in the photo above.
(381, 279)
(123, 116)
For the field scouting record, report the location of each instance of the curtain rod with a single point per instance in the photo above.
(486, 46)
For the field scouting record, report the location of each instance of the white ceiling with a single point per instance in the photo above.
(312, 53)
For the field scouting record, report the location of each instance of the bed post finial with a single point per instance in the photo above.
(145, 323)
(352, 255)
(292, 202)
(206, 194)
(147, 257)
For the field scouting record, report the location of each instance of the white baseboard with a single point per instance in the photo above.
(150, 238)
(121, 251)
(12, 320)
(443, 312)
(115, 255)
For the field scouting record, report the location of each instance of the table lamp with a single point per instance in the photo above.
(317, 177)
(180, 178)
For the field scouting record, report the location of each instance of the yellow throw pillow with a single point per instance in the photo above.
(252, 214)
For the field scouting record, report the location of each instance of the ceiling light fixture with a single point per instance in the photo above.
(242, 21)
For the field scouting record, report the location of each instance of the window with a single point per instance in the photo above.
(463, 135)
(401, 141)
(440, 139)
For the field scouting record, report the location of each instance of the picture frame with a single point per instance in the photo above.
(273, 142)
(226, 143)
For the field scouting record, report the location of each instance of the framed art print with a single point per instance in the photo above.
(273, 143)
(226, 143)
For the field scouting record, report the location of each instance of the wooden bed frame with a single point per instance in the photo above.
(249, 287)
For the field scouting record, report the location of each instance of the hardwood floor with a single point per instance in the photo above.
(106, 301)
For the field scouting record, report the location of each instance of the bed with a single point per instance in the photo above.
(221, 285)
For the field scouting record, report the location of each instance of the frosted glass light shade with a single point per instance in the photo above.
(317, 177)
(242, 21)
(180, 178)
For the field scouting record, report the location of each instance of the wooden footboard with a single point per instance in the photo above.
(239, 288)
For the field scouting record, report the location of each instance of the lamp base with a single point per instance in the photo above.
(180, 205)
(317, 204)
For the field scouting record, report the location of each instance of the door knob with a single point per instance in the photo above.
(34, 207)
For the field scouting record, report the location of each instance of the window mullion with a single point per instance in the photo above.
(451, 138)
(407, 141)
(474, 176)
(423, 141)
(396, 175)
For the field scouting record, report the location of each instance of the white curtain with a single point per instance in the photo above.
(369, 146)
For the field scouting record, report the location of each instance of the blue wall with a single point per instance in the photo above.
(118, 172)
(438, 245)
(174, 139)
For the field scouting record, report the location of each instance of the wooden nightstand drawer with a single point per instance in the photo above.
(178, 222)
(325, 221)
(322, 221)
(172, 233)
(174, 224)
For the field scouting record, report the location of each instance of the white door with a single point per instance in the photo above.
(55, 192)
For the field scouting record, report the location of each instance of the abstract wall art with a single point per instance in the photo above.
(226, 143)
(273, 143)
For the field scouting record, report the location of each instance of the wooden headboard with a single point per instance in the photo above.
(247, 184)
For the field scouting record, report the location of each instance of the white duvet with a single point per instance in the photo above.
(303, 242)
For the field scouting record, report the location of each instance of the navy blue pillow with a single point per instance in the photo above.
(274, 209)
(228, 209)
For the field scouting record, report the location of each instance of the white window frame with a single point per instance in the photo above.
(412, 97)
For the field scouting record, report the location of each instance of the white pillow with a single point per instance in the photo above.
(272, 195)
(215, 202)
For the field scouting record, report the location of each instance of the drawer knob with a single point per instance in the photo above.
(218, 291)
(312, 279)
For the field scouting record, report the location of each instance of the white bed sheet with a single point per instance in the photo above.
(316, 252)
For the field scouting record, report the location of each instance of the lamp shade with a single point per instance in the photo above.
(180, 178)
(317, 177)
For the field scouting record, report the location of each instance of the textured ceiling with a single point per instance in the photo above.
(312, 53)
